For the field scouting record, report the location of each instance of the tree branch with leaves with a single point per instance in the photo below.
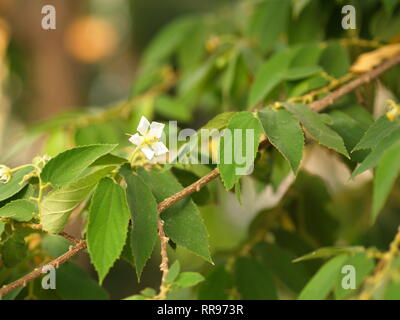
(296, 94)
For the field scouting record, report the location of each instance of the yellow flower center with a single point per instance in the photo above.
(149, 140)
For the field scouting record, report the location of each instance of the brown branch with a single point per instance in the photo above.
(317, 106)
(62, 234)
(38, 272)
(195, 187)
(164, 260)
(79, 247)
(352, 85)
(69, 237)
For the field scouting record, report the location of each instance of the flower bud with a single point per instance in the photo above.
(40, 161)
(394, 111)
(5, 174)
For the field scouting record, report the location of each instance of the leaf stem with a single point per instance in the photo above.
(20, 167)
(134, 155)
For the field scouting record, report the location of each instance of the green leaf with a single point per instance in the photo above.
(109, 160)
(280, 169)
(380, 129)
(238, 192)
(70, 164)
(182, 221)
(26, 193)
(229, 75)
(136, 297)
(2, 226)
(385, 176)
(186, 178)
(298, 6)
(56, 141)
(14, 293)
(360, 113)
(297, 73)
(148, 292)
(216, 285)
(328, 252)
(18, 210)
(316, 127)
(279, 261)
(307, 86)
(57, 206)
(55, 245)
(390, 5)
(108, 225)
(384, 25)
(351, 130)
(377, 153)
(195, 78)
(173, 109)
(168, 40)
(127, 253)
(271, 73)
(16, 183)
(323, 281)
(13, 250)
(188, 279)
(192, 50)
(313, 206)
(335, 59)
(220, 121)
(268, 22)
(309, 26)
(74, 284)
(363, 266)
(292, 241)
(103, 133)
(148, 77)
(232, 162)
(392, 291)
(144, 213)
(306, 55)
(173, 272)
(253, 280)
(284, 133)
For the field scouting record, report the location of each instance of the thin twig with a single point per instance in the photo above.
(62, 234)
(382, 269)
(38, 272)
(362, 79)
(69, 237)
(317, 106)
(195, 187)
(164, 260)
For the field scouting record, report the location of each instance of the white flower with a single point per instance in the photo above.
(5, 174)
(148, 139)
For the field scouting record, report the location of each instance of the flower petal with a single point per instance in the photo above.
(143, 126)
(136, 139)
(148, 152)
(156, 129)
(159, 148)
